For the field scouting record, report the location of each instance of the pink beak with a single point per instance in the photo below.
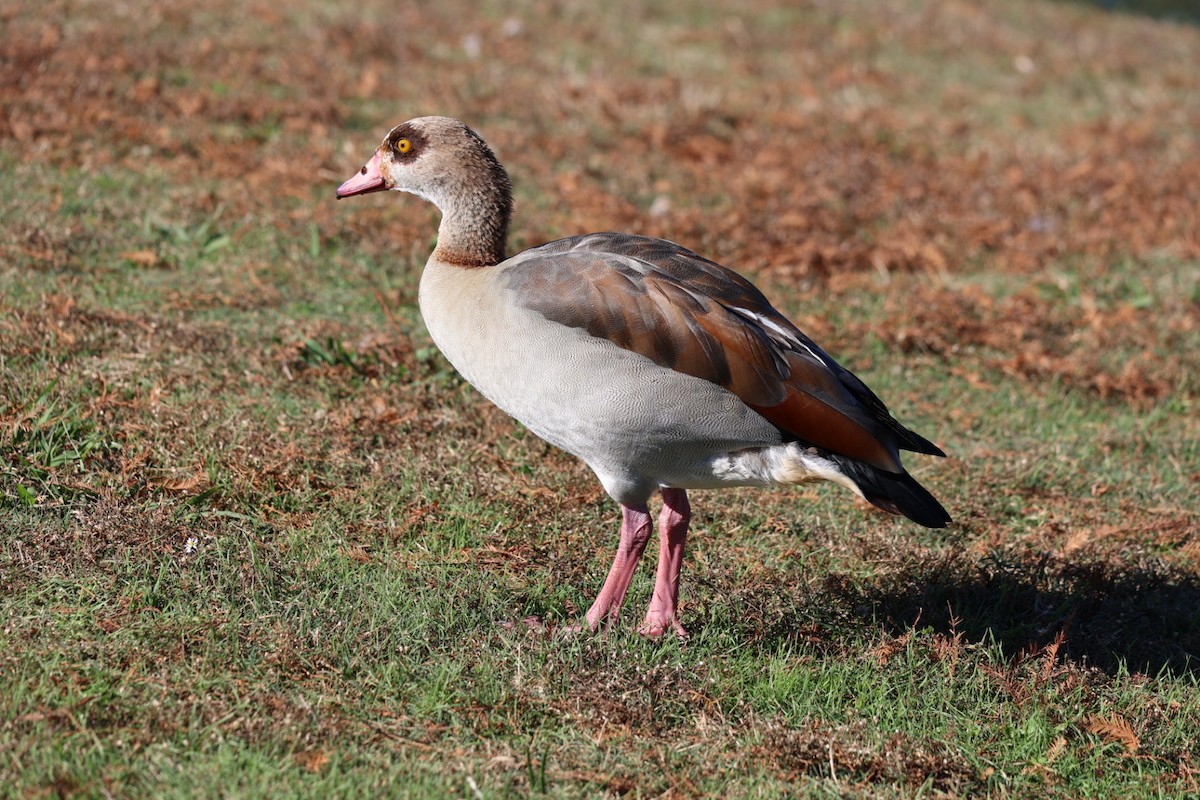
(369, 179)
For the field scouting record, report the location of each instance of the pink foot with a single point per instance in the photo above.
(663, 614)
(656, 626)
(635, 532)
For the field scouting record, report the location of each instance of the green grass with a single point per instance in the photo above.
(255, 648)
(258, 539)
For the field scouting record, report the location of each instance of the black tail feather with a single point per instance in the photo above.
(895, 492)
(917, 443)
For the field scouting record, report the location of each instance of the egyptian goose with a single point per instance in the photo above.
(662, 370)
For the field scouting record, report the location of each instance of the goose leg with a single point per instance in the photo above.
(635, 532)
(672, 530)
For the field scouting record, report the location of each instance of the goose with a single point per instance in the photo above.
(660, 369)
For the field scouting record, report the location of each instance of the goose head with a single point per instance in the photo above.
(441, 160)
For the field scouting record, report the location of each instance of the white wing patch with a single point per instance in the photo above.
(783, 333)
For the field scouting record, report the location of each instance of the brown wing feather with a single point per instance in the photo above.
(692, 315)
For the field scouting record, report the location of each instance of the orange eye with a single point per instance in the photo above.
(403, 146)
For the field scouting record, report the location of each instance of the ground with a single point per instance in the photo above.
(257, 538)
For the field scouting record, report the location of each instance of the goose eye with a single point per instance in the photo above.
(403, 146)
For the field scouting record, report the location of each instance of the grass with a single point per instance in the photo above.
(258, 539)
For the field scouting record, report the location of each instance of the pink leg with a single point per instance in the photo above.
(672, 530)
(635, 532)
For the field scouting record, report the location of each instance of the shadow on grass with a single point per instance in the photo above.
(1187, 11)
(1146, 615)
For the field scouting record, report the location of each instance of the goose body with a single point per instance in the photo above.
(613, 408)
(661, 370)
